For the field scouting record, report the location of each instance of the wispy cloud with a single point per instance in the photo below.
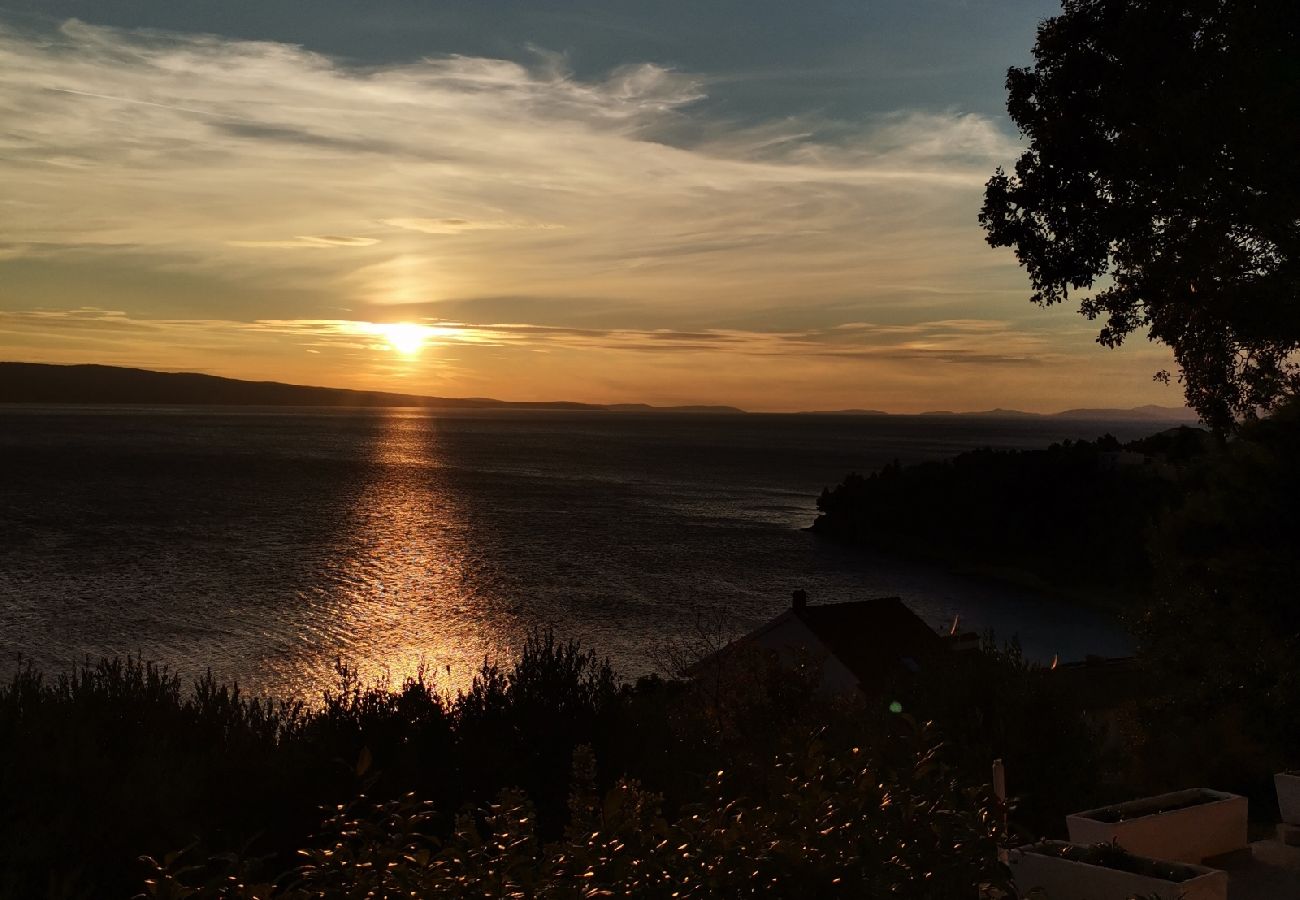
(458, 226)
(607, 226)
(962, 361)
(211, 150)
(322, 240)
(850, 337)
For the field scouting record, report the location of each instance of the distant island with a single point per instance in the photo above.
(1150, 412)
(90, 384)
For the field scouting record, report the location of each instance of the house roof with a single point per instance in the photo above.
(872, 638)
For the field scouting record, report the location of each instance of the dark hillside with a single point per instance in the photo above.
(88, 384)
(1075, 514)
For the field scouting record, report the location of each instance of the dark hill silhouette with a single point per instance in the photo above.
(1075, 514)
(1150, 411)
(1171, 414)
(93, 384)
(41, 383)
(646, 407)
(846, 412)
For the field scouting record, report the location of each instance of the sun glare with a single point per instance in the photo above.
(405, 338)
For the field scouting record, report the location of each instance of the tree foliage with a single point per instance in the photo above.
(1222, 633)
(1163, 177)
(1060, 515)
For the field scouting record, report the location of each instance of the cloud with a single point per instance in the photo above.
(954, 341)
(457, 226)
(181, 145)
(962, 363)
(321, 240)
(642, 245)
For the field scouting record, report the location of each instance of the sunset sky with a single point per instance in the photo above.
(765, 204)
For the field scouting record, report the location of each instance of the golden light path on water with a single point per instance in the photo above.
(399, 597)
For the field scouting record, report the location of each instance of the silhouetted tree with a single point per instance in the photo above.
(1164, 157)
(1222, 634)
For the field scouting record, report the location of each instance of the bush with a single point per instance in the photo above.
(832, 825)
(116, 759)
(759, 784)
(995, 704)
(1222, 633)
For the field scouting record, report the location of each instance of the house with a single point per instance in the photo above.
(857, 645)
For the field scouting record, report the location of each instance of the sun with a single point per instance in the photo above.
(405, 338)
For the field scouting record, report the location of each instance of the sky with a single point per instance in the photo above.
(764, 204)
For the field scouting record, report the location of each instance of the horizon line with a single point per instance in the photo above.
(1169, 412)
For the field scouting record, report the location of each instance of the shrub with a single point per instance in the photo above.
(117, 759)
(832, 825)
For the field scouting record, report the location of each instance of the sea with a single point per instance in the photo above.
(270, 545)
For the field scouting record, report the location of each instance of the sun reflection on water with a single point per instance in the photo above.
(399, 596)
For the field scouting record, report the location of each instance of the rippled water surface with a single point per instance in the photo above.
(266, 544)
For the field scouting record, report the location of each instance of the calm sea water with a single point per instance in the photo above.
(266, 544)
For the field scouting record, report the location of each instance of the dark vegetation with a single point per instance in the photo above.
(1199, 543)
(825, 825)
(534, 777)
(1074, 515)
(1134, 809)
(120, 758)
(1163, 162)
(1114, 857)
(1222, 631)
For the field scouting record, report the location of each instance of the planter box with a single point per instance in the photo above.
(1061, 872)
(1288, 796)
(1188, 826)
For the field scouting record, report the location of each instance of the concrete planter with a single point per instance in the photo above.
(1188, 826)
(1288, 796)
(1064, 871)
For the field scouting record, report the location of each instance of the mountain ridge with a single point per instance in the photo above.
(92, 384)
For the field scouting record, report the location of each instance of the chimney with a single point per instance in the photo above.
(799, 601)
